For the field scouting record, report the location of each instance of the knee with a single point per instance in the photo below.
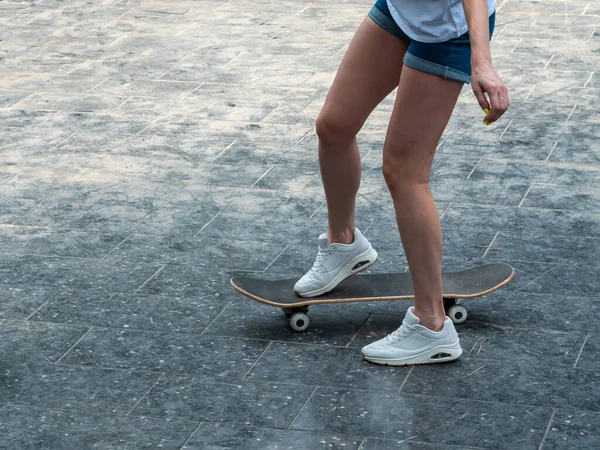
(392, 173)
(401, 175)
(333, 129)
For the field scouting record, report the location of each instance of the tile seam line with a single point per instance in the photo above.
(192, 435)
(570, 114)
(358, 330)
(360, 446)
(274, 341)
(90, 91)
(87, 170)
(145, 330)
(544, 163)
(529, 93)
(72, 346)
(214, 159)
(120, 104)
(256, 361)
(229, 381)
(433, 398)
(525, 195)
(118, 95)
(430, 398)
(105, 257)
(9, 201)
(28, 318)
(22, 100)
(555, 266)
(192, 421)
(561, 262)
(491, 244)
(358, 437)
(29, 211)
(589, 79)
(182, 31)
(167, 200)
(399, 391)
(450, 205)
(8, 180)
(154, 275)
(276, 258)
(51, 256)
(181, 333)
(290, 425)
(100, 413)
(551, 151)
(314, 432)
(160, 376)
(170, 13)
(116, 19)
(263, 175)
(203, 332)
(474, 168)
(292, 89)
(581, 350)
(538, 208)
(583, 13)
(208, 223)
(552, 416)
(186, 334)
(110, 369)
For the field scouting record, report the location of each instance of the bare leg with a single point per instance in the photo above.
(423, 107)
(369, 71)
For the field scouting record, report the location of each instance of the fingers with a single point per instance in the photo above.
(485, 81)
(498, 101)
(478, 91)
(504, 98)
(495, 111)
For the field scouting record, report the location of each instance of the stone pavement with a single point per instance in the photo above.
(152, 149)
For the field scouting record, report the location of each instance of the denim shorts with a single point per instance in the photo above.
(450, 59)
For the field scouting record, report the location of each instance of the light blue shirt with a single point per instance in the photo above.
(432, 20)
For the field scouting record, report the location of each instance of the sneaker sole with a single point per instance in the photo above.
(446, 353)
(346, 272)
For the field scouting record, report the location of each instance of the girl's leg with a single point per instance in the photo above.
(423, 107)
(369, 71)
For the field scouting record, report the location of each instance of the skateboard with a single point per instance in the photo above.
(469, 283)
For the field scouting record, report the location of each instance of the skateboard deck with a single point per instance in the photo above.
(469, 283)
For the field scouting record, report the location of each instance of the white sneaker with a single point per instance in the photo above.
(334, 264)
(415, 344)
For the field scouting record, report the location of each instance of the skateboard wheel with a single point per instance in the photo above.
(457, 313)
(299, 321)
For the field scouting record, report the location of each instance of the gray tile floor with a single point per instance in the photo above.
(152, 149)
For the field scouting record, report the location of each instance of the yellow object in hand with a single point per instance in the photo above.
(487, 111)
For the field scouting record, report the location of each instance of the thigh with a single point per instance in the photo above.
(369, 71)
(424, 104)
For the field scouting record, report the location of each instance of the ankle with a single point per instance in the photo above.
(342, 237)
(432, 320)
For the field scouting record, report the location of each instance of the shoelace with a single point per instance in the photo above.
(321, 256)
(399, 334)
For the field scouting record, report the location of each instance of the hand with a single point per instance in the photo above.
(485, 80)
